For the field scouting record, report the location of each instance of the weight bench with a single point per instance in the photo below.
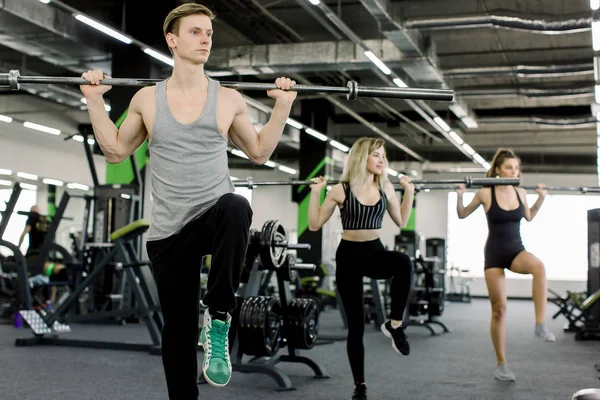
(46, 326)
(574, 307)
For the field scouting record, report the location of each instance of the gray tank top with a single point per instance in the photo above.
(188, 165)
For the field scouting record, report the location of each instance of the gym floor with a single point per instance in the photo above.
(456, 365)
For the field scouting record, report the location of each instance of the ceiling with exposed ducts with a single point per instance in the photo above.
(522, 70)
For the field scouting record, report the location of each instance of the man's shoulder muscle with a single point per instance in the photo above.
(232, 98)
(144, 100)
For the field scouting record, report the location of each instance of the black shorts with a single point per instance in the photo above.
(501, 256)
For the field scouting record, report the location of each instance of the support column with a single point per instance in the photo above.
(314, 159)
(51, 200)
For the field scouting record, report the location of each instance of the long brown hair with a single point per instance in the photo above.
(499, 158)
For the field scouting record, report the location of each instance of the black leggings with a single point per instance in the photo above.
(354, 260)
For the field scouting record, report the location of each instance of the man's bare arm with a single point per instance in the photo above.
(259, 146)
(116, 144)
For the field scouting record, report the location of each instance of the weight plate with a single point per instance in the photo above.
(303, 324)
(246, 342)
(269, 326)
(272, 257)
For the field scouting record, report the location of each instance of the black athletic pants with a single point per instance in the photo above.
(355, 260)
(176, 261)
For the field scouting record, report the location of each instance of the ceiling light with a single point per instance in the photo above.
(455, 137)
(594, 4)
(442, 124)
(339, 146)
(25, 175)
(54, 182)
(316, 134)
(468, 149)
(400, 83)
(78, 186)
(103, 28)
(294, 123)
(391, 172)
(41, 128)
(314, 2)
(596, 35)
(28, 186)
(4, 118)
(270, 164)
(159, 56)
(378, 62)
(5, 172)
(478, 158)
(5, 183)
(287, 169)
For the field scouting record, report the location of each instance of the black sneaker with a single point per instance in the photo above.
(399, 342)
(360, 393)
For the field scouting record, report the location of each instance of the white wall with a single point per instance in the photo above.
(47, 156)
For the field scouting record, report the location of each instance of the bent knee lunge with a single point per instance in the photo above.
(235, 204)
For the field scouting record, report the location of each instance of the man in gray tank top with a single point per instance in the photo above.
(188, 119)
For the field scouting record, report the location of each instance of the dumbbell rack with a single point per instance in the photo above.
(268, 365)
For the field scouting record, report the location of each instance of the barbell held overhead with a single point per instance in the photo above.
(352, 90)
(467, 181)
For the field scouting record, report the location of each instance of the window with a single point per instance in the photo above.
(27, 199)
(557, 236)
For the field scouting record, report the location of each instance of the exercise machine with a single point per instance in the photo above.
(428, 295)
(47, 327)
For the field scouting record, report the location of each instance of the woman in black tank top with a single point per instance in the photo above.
(363, 197)
(506, 206)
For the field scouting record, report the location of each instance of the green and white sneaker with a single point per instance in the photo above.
(214, 338)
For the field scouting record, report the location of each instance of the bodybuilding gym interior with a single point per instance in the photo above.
(523, 75)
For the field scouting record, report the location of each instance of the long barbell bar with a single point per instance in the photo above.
(467, 181)
(292, 246)
(582, 189)
(14, 80)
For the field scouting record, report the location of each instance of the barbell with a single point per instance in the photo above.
(467, 181)
(352, 90)
(271, 244)
(582, 189)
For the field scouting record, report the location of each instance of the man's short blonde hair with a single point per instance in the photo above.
(171, 23)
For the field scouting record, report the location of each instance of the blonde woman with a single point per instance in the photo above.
(363, 196)
(504, 207)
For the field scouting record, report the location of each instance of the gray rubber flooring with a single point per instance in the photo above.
(452, 366)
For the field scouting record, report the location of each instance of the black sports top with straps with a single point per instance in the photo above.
(504, 237)
(356, 215)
